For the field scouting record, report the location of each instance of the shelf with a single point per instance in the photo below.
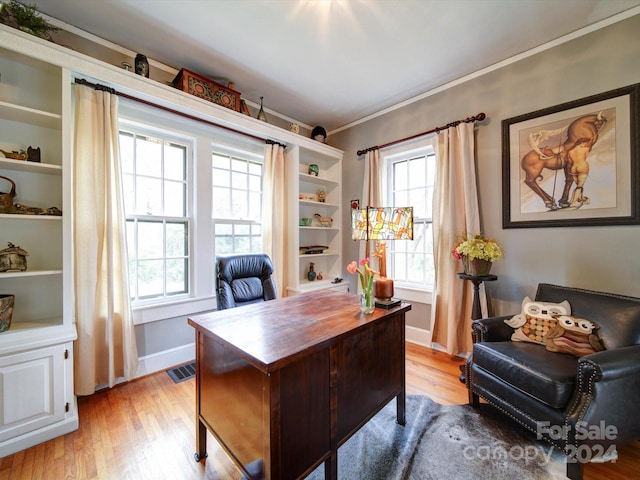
(305, 177)
(29, 273)
(22, 326)
(326, 229)
(318, 204)
(14, 216)
(34, 167)
(19, 113)
(23, 336)
(307, 286)
(312, 255)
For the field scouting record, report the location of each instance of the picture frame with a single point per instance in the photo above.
(574, 164)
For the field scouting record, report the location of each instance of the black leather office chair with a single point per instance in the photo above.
(244, 279)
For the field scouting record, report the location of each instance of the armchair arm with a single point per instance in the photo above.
(491, 329)
(608, 386)
(225, 296)
(270, 291)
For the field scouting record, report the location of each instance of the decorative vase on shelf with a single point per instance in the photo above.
(476, 266)
(142, 65)
(367, 302)
(261, 115)
(311, 274)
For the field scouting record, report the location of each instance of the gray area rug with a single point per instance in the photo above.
(443, 442)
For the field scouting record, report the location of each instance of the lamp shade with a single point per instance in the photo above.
(382, 223)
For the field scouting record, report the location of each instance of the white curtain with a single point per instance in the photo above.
(371, 192)
(274, 220)
(106, 347)
(455, 213)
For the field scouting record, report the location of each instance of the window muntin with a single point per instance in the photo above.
(154, 170)
(236, 181)
(410, 182)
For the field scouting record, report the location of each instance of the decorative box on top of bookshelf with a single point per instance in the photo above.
(206, 88)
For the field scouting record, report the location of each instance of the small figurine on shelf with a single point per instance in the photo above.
(13, 259)
(323, 221)
(244, 108)
(20, 209)
(311, 274)
(322, 195)
(261, 115)
(319, 276)
(33, 154)
(15, 155)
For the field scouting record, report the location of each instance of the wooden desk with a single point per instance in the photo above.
(282, 384)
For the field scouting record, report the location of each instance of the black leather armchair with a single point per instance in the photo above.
(585, 406)
(244, 279)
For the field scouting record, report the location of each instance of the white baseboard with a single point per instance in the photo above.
(418, 336)
(165, 359)
(423, 338)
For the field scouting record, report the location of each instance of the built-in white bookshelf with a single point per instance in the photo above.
(36, 352)
(322, 237)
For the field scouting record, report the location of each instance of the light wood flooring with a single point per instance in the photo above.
(145, 429)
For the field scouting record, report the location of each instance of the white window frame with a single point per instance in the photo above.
(139, 130)
(424, 146)
(199, 204)
(247, 155)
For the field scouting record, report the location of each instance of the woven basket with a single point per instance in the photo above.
(6, 310)
(6, 199)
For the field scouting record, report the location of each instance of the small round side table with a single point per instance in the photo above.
(476, 311)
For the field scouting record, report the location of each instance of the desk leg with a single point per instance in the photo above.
(331, 467)
(401, 415)
(201, 442)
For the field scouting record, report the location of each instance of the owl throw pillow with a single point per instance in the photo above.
(575, 336)
(536, 319)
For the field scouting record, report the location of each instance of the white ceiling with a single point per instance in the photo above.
(332, 62)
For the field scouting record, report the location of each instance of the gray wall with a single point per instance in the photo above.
(162, 335)
(599, 258)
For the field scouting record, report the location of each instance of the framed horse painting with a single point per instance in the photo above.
(574, 164)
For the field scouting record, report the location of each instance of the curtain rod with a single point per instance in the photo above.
(479, 117)
(82, 81)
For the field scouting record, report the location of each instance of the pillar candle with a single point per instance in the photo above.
(383, 287)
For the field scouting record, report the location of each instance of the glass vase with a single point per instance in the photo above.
(367, 302)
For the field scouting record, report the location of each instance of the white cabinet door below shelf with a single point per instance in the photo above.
(31, 390)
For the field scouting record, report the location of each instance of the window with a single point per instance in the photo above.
(154, 170)
(236, 201)
(410, 180)
(191, 192)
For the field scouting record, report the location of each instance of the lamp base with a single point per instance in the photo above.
(387, 303)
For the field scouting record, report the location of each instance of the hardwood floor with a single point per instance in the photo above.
(145, 429)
